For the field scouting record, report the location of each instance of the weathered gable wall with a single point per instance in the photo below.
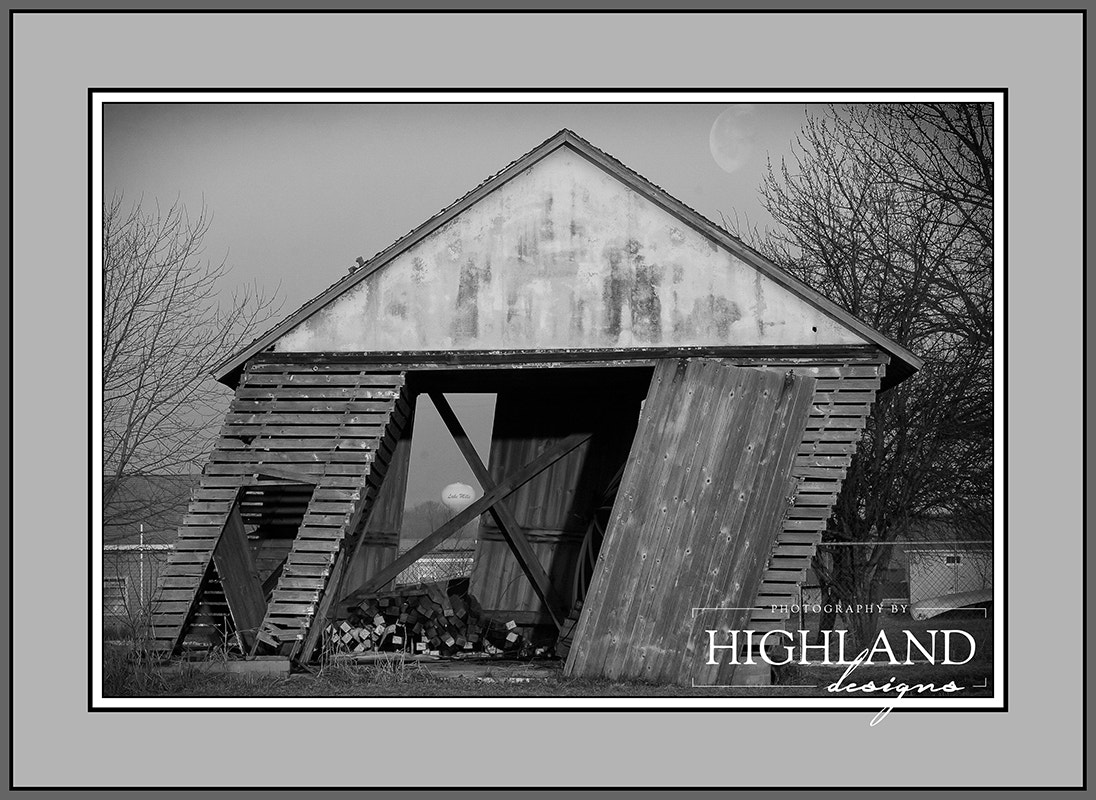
(564, 256)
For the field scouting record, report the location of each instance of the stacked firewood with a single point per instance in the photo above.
(423, 618)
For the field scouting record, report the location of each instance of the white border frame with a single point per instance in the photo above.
(98, 99)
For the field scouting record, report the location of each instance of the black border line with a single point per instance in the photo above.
(92, 91)
(1084, 392)
(1081, 9)
(11, 403)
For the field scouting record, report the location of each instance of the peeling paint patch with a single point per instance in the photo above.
(466, 323)
(725, 313)
(646, 306)
(547, 228)
(616, 288)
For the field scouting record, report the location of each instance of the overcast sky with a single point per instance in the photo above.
(298, 192)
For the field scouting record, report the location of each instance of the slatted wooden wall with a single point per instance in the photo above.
(845, 391)
(708, 480)
(331, 426)
(380, 533)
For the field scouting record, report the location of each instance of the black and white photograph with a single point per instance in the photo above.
(685, 399)
(620, 401)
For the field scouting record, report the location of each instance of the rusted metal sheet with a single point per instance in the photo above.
(708, 479)
(564, 255)
(555, 507)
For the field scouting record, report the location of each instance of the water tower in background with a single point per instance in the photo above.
(457, 497)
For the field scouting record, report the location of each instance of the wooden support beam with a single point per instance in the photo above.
(272, 579)
(503, 516)
(244, 593)
(510, 485)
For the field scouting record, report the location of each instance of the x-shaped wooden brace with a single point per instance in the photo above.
(492, 494)
(503, 516)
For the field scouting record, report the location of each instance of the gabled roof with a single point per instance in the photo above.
(903, 362)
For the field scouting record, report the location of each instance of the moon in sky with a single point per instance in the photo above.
(732, 137)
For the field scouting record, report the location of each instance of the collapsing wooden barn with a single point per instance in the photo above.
(674, 419)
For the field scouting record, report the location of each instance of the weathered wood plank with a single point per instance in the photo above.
(837, 473)
(804, 524)
(818, 461)
(350, 419)
(846, 384)
(294, 609)
(265, 443)
(275, 405)
(808, 512)
(350, 379)
(783, 576)
(318, 393)
(310, 582)
(301, 546)
(290, 457)
(298, 473)
(805, 500)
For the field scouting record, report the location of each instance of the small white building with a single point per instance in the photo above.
(939, 570)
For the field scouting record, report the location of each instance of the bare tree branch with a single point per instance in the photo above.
(164, 330)
(888, 210)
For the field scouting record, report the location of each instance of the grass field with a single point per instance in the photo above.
(414, 681)
(124, 678)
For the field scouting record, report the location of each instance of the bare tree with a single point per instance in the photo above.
(888, 210)
(424, 518)
(165, 326)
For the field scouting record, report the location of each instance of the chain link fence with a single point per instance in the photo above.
(131, 573)
(917, 571)
(935, 571)
(439, 566)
